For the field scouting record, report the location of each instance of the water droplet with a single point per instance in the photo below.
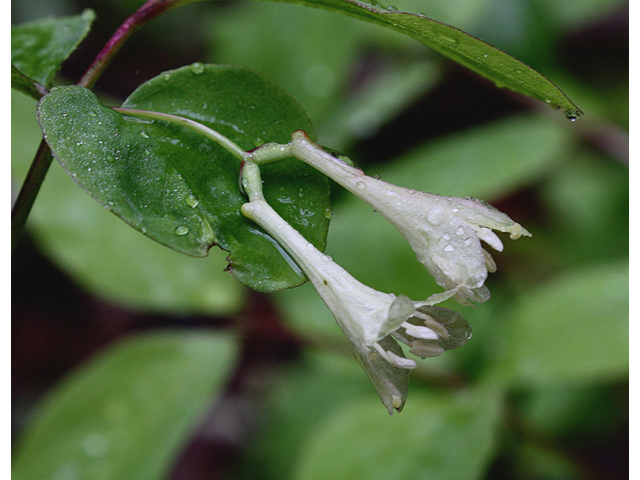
(96, 445)
(391, 8)
(436, 215)
(92, 113)
(181, 230)
(361, 185)
(197, 68)
(166, 76)
(573, 114)
(192, 201)
(144, 134)
(328, 213)
(449, 248)
(448, 39)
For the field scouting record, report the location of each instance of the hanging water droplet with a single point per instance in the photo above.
(197, 68)
(181, 230)
(573, 114)
(192, 201)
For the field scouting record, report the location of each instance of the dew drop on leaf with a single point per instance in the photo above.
(197, 68)
(192, 201)
(181, 230)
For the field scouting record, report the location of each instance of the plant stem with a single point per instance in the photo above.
(150, 10)
(42, 160)
(29, 191)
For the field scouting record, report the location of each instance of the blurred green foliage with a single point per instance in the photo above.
(541, 385)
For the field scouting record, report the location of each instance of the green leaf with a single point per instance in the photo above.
(38, 48)
(468, 51)
(94, 248)
(181, 188)
(128, 412)
(24, 84)
(436, 437)
(574, 328)
(301, 399)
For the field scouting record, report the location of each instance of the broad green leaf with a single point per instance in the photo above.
(436, 437)
(487, 162)
(468, 51)
(128, 412)
(38, 48)
(181, 188)
(104, 255)
(574, 328)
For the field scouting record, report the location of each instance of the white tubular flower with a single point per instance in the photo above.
(370, 319)
(444, 232)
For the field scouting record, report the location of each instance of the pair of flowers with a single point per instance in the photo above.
(445, 234)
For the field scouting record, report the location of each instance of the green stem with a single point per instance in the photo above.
(217, 137)
(29, 191)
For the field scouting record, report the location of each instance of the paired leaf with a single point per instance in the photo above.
(181, 188)
(38, 49)
(468, 51)
(128, 412)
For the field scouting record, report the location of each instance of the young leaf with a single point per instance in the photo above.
(181, 188)
(38, 48)
(468, 51)
(128, 412)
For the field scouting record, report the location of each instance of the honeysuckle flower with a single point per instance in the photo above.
(373, 321)
(444, 232)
